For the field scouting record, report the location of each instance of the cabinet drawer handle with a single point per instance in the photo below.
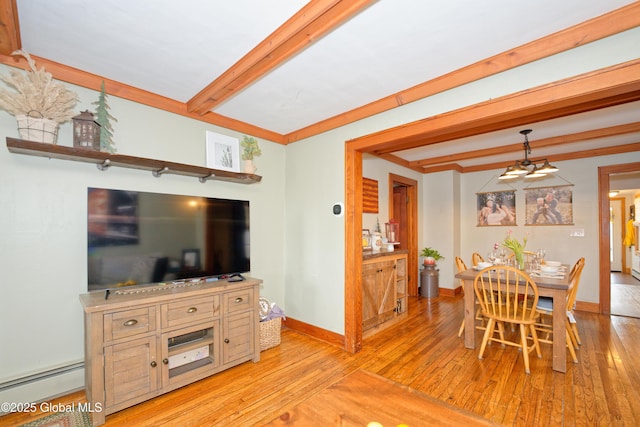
(239, 300)
(192, 310)
(226, 340)
(165, 361)
(154, 364)
(131, 322)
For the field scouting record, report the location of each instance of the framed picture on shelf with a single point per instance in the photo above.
(223, 152)
(496, 208)
(366, 239)
(549, 205)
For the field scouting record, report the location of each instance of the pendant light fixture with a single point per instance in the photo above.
(526, 167)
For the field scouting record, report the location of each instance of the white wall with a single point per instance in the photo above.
(43, 214)
(583, 175)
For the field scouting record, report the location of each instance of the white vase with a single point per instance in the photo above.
(249, 167)
(376, 242)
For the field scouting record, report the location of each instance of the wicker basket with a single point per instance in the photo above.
(270, 333)
(37, 129)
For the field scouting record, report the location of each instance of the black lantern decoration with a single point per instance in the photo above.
(86, 132)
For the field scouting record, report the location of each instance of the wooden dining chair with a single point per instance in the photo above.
(545, 310)
(476, 258)
(461, 266)
(508, 295)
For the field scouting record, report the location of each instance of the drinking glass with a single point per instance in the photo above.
(541, 253)
(492, 257)
(502, 254)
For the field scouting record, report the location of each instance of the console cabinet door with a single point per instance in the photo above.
(369, 296)
(131, 370)
(378, 293)
(238, 336)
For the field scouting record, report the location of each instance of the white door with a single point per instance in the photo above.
(617, 219)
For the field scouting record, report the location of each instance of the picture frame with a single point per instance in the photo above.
(497, 208)
(549, 205)
(366, 239)
(222, 152)
(191, 259)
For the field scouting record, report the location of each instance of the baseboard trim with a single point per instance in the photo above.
(43, 385)
(446, 292)
(590, 307)
(314, 332)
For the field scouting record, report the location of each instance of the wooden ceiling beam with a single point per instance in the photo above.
(538, 143)
(591, 91)
(93, 81)
(9, 27)
(313, 21)
(574, 155)
(614, 22)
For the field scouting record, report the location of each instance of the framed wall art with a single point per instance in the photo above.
(223, 152)
(549, 205)
(496, 208)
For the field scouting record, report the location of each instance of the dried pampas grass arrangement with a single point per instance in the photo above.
(36, 94)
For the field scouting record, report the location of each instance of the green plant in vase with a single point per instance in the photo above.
(517, 248)
(431, 256)
(250, 149)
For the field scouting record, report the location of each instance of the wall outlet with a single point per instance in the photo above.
(576, 232)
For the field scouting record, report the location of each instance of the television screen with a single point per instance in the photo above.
(137, 238)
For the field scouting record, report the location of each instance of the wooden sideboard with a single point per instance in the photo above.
(143, 342)
(384, 288)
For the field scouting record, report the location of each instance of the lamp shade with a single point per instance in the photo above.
(547, 168)
(535, 173)
(517, 169)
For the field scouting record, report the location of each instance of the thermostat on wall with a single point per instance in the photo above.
(338, 209)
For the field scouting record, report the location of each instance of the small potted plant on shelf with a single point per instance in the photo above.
(250, 149)
(431, 256)
(38, 103)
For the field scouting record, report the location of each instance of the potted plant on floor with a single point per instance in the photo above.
(38, 103)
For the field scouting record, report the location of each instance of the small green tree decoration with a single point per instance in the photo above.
(103, 117)
(250, 148)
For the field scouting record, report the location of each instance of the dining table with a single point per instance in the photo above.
(548, 286)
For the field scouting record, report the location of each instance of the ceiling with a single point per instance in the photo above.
(287, 69)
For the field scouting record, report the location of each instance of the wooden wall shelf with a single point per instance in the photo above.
(106, 160)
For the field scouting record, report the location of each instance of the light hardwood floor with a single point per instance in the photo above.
(625, 295)
(424, 353)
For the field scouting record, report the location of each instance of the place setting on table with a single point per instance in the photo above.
(533, 263)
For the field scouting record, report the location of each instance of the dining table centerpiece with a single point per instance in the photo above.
(517, 247)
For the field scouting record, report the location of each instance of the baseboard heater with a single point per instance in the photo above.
(43, 385)
(635, 273)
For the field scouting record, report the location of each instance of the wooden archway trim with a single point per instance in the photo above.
(607, 87)
(603, 203)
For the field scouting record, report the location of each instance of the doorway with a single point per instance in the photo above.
(625, 288)
(605, 173)
(403, 208)
(616, 230)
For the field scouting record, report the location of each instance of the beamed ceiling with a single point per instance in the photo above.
(287, 70)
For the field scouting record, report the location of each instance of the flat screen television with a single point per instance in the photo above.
(139, 238)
